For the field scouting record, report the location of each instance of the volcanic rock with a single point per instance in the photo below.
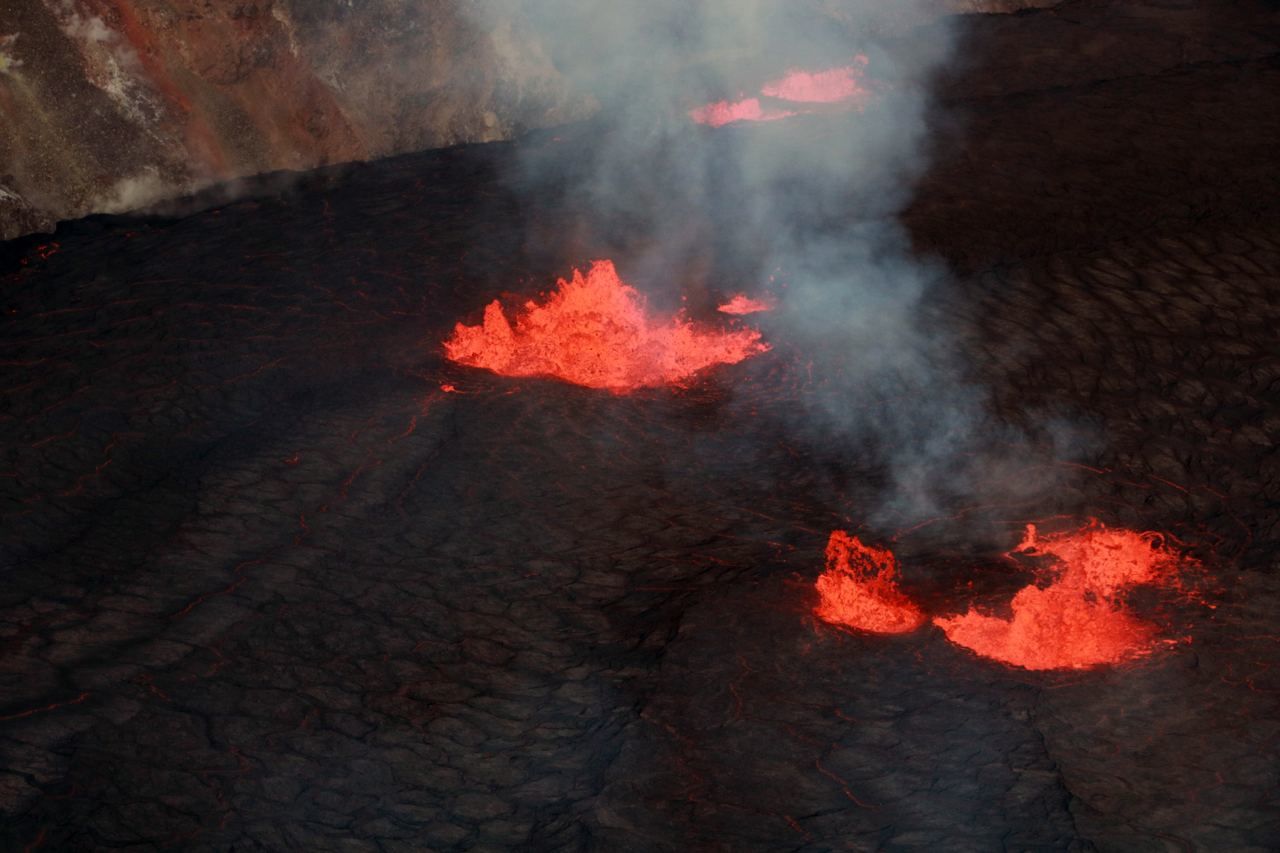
(112, 105)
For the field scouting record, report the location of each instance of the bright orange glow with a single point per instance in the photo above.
(1079, 620)
(859, 589)
(595, 331)
(842, 85)
(720, 113)
(820, 87)
(742, 304)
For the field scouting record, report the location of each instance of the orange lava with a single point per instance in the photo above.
(820, 87)
(844, 84)
(595, 331)
(1079, 620)
(720, 113)
(859, 589)
(742, 304)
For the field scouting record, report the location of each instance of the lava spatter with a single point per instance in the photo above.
(1079, 620)
(859, 589)
(595, 330)
(741, 304)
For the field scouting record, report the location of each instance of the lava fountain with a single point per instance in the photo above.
(1079, 619)
(859, 589)
(595, 330)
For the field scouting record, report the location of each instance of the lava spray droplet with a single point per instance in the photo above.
(595, 330)
(859, 589)
(1079, 620)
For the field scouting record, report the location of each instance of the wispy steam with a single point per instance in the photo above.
(8, 63)
(813, 199)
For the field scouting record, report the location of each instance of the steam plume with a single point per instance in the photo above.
(813, 198)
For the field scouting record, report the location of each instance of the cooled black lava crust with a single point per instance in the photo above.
(268, 586)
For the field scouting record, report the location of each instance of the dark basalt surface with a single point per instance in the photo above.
(269, 586)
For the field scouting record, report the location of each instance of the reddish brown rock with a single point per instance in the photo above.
(112, 104)
(109, 105)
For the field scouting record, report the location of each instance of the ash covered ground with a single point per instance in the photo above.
(269, 585)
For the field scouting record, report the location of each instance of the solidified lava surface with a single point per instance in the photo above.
(279, 576)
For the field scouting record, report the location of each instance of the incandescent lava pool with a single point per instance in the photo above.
(279, 574)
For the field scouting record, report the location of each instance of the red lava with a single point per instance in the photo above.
(595, 331)
(720, 113)
(820, 87)
(1079, 620)
(859, 589)
(842, 85)
(742, 304)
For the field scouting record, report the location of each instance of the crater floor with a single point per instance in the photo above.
(269, 585)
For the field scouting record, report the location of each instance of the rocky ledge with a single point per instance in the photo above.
(112, 105)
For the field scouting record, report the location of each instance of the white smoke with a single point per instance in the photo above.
(135, 192)
(110, 62)
(814, 199)
(7, 61)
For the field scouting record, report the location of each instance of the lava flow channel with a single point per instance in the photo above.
(859, 589)
(595, 331)
(793, 94)
(1079, 620)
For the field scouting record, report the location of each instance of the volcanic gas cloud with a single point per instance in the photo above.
(797, 92)
(859, 589)
(1079, 619)
(595, 330)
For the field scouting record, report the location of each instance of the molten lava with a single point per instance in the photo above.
(1079, 620)
(742, 304)
(859, 589)
(820, 87)
(720, 113)
(843, 85)
(595, 331)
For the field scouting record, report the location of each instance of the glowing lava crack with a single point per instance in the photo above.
(595, 331)
(1079, 620)
(859, 589)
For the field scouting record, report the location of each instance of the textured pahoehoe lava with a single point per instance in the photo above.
(859, 589)
(596, 330)
(1079, 620)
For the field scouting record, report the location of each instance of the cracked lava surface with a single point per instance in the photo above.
(277, 579)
